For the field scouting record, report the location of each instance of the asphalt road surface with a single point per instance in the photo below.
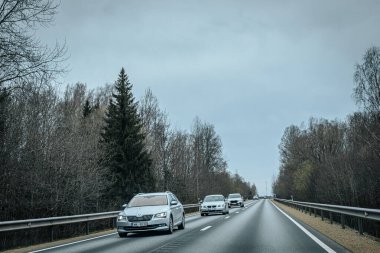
(258, 227)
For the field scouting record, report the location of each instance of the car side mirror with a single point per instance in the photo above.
(124, 206)
(173, 203)
(200, 201)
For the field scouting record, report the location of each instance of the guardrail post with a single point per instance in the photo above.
(310, 211)
(315, 212)
(51, 233)
(87, 227)
(322, 218)
(360, 224)
(342, 221)
(331, 218)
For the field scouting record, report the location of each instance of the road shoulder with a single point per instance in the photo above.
(348, 238)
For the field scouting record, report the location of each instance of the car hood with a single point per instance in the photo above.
(144, 210)
(213, 203)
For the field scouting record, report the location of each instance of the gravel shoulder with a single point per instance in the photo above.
(348, 238)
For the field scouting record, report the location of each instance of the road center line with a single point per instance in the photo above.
(313, 237)
(204, 229)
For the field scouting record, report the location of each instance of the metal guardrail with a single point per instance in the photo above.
(6, 226)
(359, 213)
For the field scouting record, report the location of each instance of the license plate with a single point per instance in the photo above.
(139, 224)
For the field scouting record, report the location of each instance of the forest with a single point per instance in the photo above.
(51, 154)
(337, 162)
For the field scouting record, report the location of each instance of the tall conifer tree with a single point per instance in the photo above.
(126, 158)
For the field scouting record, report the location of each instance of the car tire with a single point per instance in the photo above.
(170, 229)
(202, 214)
(123, 235)
(182, 225)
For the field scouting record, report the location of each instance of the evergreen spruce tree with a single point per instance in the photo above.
(126, 158)
(86, 109)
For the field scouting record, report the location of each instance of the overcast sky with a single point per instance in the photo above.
(250, 68)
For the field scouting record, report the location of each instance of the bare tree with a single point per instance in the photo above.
(367, 79)
(22, 57)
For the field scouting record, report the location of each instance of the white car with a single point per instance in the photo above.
(235, 199)
(214, 204)
(159, 211)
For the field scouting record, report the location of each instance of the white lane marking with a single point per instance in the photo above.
(71, 243)
(237, 212)
(226, 217)
(204, 229)
(319, 242)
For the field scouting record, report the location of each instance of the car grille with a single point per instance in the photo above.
(142, 218)
(234, 201)
(211, 206)
(128, 228)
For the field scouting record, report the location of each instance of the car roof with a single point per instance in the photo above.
(153, 193)
(215, 195)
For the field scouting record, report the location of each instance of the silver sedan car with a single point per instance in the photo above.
(151, 212)
(214, 204)
(235, 199)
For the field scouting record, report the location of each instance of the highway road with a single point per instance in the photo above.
(258, 227)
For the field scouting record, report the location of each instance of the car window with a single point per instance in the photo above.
(148, 200)
(172, 197)
(231, 196)
(213, 198)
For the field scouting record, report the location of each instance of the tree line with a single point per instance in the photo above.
(333, 161)
(92, 150)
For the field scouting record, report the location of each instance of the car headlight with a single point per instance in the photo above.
(160, 215)
(122, 217)
(203, 206)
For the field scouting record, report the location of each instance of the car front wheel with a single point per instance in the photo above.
(122, 235)
(170, 229)
(182, 225)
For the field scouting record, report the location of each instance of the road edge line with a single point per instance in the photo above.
(313, 237)
(71, 243)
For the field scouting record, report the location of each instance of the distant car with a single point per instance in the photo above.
(235, 199)
(214, 204)
(159, 211)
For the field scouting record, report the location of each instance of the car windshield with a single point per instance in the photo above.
(213, 198)
(148, 200)
(232, 196)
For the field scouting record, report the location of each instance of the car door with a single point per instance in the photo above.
(176, 209)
